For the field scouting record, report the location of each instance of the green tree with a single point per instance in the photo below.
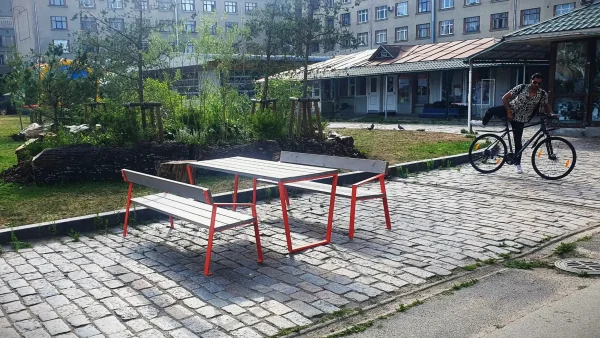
(22, 83)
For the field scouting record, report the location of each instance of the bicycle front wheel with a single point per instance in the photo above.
(487, 153)
(553, 158)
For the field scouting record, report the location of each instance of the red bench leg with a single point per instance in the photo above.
(286, 223)
(129, 190)
(256, 231)
(352, 211)
(235, 191)
(171, 221)
(190, 174)
(211, 234)
(386, 210)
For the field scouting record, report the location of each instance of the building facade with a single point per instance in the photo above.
(46, 22)
(412, 22)
(7, 33)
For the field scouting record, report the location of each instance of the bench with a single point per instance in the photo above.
(192, 204)
(354, 193)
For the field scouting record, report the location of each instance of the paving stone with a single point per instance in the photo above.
(96, 311)
(10, 333)
(259, 312)
(13, 307)
(275, 307)
(113, 303)
(215, 334)
(165, 323)
(163, 300)
(280, 322)
(194, 303)
(179, 293)
(56, 326)
(178, 312)
(127, 313)
(183, 333)
(234, 309)
(247, 319)
(87, 331)
(138, 325)
(245, 332)
(197, 324)
(109, 325)
(325, 306)
(78, 320)
(73, 293)
(84, 301)
(297, 319)
(148, 311)
(17, 283)
(38, 333)
(304, 308)
(113, 284)
(137, 300)
(140, 284)
(8, 298)
(266, 329)
(227, 322)
(27, 325)
(152, 333)
(57, 301)
(100, 293)
(18, 316)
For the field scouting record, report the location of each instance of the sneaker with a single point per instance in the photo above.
(477, 123)
(519, 169)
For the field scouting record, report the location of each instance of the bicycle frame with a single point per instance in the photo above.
(542, 132)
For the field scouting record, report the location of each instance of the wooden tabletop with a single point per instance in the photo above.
(268, 170)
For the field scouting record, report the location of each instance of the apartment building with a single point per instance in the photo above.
(413, 22)
(7, 33)
(49, 21)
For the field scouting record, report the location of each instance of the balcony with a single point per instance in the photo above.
(6, 22)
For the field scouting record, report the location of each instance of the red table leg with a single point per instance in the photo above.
(235, 190)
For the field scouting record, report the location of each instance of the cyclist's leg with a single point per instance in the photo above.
(517, 129)
(499, 112)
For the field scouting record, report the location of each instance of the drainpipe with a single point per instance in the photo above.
(37, 27)
(515, 5)
(176, 25)
(371, 36)
(470, 98)
(433, 26)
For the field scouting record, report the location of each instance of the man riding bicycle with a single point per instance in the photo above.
(520, 104)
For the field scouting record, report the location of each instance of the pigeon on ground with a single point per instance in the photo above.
(400, 127)
(371, 127)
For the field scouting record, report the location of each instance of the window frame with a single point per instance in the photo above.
(465, 31)
(359, 37)
(450, 25)
(366, 15)
(451, 6)
(399, 29)
(68, 50)
(383, 33)
(53, 21)
(161, 5)
(57, 3)
(568, 3)
(165, 26)
(94, 24)
(492, 20)
(228, 7)
(405, 3)
(248, 9)
(93, 5)
(421, 4)
(539, 14)
(143, 4)
(379, 10)
(343, 22)
(112, 21)
(211, 3)
(192, 24)
(421, 26)
(474, 2)
(187, 4)
(118, 3)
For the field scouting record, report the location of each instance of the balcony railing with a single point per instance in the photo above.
(6, 22)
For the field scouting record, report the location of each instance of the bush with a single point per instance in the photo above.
(268, 125)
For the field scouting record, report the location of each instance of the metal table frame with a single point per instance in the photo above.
(282, 173)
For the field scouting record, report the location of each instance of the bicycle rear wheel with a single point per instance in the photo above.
(553, 158)
(487, 153)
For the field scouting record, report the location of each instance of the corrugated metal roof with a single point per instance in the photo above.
(585, 17)
(436, 56)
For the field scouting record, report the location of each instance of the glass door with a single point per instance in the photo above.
(595, 90)
(570, 82)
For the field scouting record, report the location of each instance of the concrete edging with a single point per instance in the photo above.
(110, 219)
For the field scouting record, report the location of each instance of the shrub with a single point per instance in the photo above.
(268, 125)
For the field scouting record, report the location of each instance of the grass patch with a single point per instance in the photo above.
(585, 239)
(565, 248)
(285, 332)
(470, 267)
(525, 264)
(463, 285)
(9, 124)
(398, 147)
(404, 308)
(504, 255)
(479, 263)
(358, 328)
(74, 235)
(16, 244)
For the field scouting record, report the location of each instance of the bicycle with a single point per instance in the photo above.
(552, 158)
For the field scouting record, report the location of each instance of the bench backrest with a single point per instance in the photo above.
(173, 187)
(347, 163)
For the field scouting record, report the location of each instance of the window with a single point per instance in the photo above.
(563, 8)
(188, 5)
(115, 4)
(141, 4)
(472, 24)
(64, 43)
(209, 6)
(500, 20)
(402, 8)
(116, 23)
(423, 6)
(363, 16)
(229, 26)
(250, 6)
(351, 86)
(381, 36)
(87, 3)
(381, 13)
(346, 1)
(165, 26)
(422, 88)
(314, 47)
(190, 26)
(164, 5)
(402, 33)
(361, 86)
(58, 22)
(230, 7)
(445, 4)
(345, 19)
(363, 39)
(7, 41)
(1, 59)
(472, 2)
(189, 48)
(423, 31)
(213, 29)
(88, 24)
(447, 27)
(346, 43)
(57, 2)
(329, 23)
(530, 16)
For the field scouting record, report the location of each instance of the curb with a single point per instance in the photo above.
(105, 220)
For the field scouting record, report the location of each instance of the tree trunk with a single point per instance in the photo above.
(55, 125)
(140, 64)
(308, 42)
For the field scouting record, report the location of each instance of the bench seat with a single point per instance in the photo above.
(339, 191)
(194, 212)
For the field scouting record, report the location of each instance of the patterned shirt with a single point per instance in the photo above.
(523, 104)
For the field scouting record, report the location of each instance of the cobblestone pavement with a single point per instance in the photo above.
(150, 284)
(454, 129)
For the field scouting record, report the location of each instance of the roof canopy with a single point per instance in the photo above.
(396, 59)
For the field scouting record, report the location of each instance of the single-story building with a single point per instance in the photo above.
(572, 41)
(429, 80)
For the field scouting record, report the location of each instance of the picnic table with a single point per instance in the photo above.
(279, 172)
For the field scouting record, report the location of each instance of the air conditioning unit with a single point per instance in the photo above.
(391, 8)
